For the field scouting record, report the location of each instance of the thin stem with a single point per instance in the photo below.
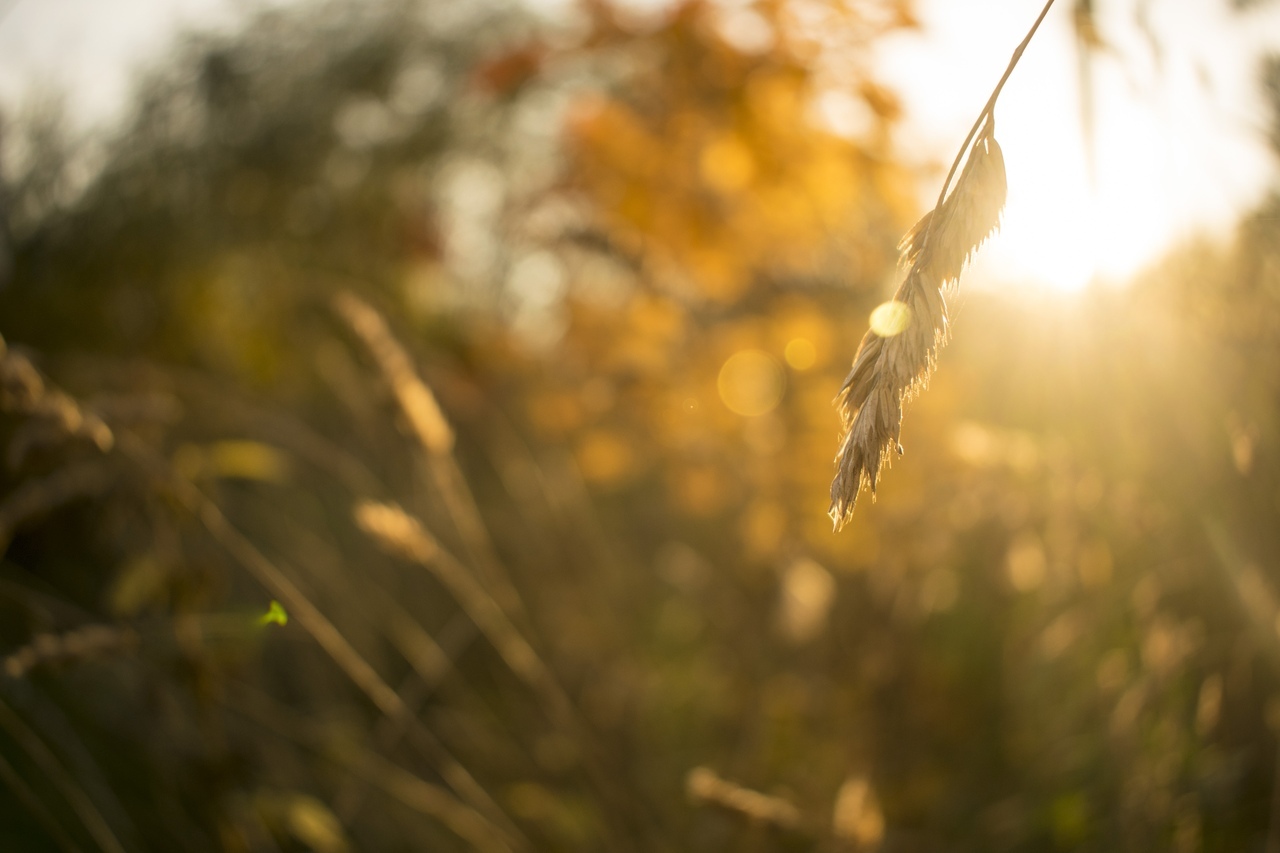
(324, 632)
(31, 800)
(991, 104)
(44, 759)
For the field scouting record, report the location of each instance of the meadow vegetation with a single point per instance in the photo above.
(417, 434)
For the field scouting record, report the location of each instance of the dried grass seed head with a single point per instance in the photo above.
(417, 402)
(945, 238)
(888, 370)
(395, 531)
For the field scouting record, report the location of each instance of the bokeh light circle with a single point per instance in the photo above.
(751, 383)
(800, 353)
(890, 318)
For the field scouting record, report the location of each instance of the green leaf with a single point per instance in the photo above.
(275, 613)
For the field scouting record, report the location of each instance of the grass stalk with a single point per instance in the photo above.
(315, 623)
(44, 758)
(900, 350)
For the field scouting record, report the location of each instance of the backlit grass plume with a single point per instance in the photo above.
(898, 352)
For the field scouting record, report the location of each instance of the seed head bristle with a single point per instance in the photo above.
(971, 213)
(946, 237)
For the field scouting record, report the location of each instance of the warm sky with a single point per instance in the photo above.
(88, 47)
(1179, 143)
(1180, 127)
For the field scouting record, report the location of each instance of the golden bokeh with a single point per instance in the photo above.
(751, 383)
(800, 353)
(890, 318)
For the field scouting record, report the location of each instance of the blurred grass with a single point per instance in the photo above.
(622, 267)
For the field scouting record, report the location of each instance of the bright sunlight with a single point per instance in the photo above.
(1177, 143)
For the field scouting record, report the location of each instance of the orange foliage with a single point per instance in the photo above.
(715, 161)
(740, 219)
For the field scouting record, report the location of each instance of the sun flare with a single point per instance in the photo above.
(1085, 209)
(1167, 151)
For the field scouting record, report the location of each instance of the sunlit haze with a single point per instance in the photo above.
(1178, 145)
